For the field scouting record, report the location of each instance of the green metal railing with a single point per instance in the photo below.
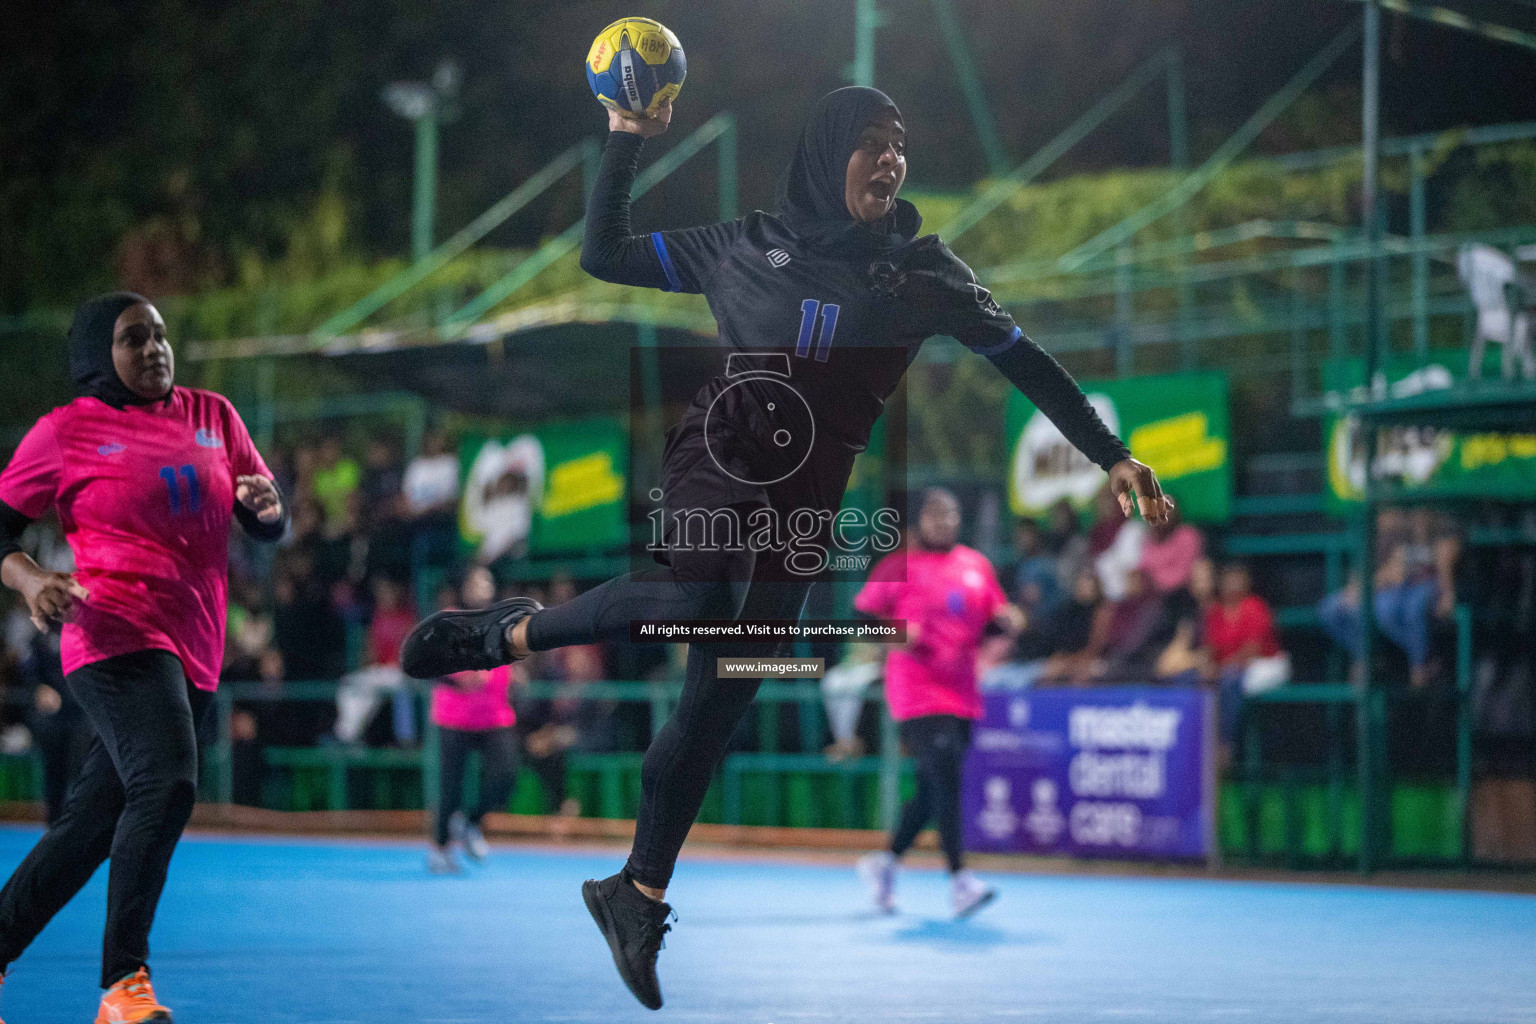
(885, 765)
(1228, 151)
(807, 777)
(1089, 121)
(584, 155)
(1372, 776)
(1458, 20)
(971, 86)
(721, 128)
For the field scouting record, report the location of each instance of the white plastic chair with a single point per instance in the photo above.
(1490, 278)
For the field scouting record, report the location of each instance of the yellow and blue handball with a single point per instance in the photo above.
(635, 65)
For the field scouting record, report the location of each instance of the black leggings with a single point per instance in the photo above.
(683, 756)
(938, 744)
(498, 773)
(130, 803)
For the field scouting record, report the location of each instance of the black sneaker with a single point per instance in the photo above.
(635, 926)
(461, 641)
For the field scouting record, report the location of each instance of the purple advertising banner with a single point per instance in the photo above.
(1120, 772)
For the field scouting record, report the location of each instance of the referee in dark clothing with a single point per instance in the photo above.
(827, 302)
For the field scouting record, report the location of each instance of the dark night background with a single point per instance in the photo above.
(171, 143)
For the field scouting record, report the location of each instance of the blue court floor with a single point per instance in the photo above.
(293, 932)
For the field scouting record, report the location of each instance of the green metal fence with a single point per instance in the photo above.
(1316, 811)
(769, 786)
(1298, 816)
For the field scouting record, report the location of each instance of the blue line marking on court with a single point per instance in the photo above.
(300, 932)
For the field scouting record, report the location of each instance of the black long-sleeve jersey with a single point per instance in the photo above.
(849, 327)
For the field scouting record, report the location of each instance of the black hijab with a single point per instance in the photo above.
(812, 192)
(90, 350)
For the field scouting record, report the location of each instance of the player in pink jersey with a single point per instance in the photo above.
(949, 597)
(472, 711)
(146, 478)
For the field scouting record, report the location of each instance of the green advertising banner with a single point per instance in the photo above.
(1177, 424)
(1421, 460)
(556, 488)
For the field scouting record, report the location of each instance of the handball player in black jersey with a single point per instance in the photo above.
(832, 296)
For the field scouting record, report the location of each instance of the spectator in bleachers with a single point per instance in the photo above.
(1169, 552)
(306, 628)
(1061, 645)
(306, 458)
(432, 479)
(1031, 580)
(431, 488)
(1114, 544)
(249, 632)
(382, 508)
(281, 463)
(843, 692)
(361, 692)
(1108, 520)
(1134, 635)
(341, 550)
(431, 483)
(1417, 554)
(1245, 649)
(335, 479)
(51, 718)
(1066, 542)
(1186, 661)
(382, 480)
(551, 728)
(305, 529)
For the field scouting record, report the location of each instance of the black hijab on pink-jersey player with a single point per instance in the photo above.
(90, 349)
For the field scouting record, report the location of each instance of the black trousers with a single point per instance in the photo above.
(721, 581)
(938, 744)
(130, 803)
(684, 754)
(498, 772)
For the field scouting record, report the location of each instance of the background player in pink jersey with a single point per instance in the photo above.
(146, 478)
(472, 711)
(949, 596)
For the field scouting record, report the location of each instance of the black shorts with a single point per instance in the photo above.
(722, 457)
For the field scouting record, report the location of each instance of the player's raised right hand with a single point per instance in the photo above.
(51, 598)
(645, 127)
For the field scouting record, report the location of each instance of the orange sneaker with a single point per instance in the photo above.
(132, 1001)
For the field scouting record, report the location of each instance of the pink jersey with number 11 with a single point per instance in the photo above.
(146, 495)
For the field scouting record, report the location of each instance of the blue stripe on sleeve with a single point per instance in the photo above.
(1018, 333)
(675, 285)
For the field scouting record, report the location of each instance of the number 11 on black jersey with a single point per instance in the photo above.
(829, 313)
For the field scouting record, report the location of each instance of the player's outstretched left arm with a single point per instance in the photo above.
(1051, 388)
(933, 278)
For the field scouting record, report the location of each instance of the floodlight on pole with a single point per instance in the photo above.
(423, 104)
